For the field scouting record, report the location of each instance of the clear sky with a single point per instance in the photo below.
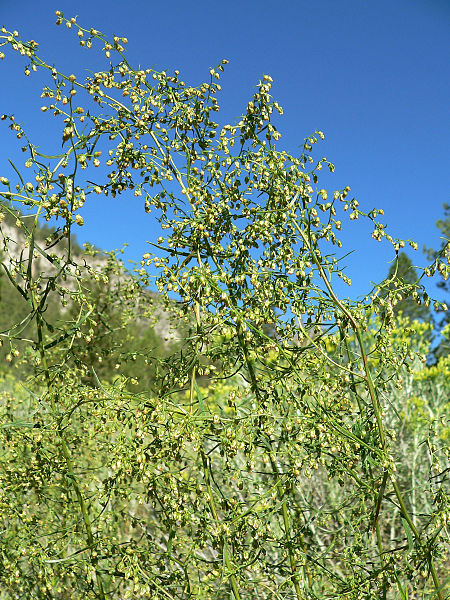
(374, 76)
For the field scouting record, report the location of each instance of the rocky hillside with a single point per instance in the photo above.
(127, 314)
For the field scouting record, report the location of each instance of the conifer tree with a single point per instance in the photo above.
(402, 274)
(443, 284)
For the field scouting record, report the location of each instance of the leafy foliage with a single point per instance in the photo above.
(290, 445)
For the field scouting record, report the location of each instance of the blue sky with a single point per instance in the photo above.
(373, 76)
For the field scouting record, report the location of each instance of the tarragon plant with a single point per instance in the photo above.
(271, 458)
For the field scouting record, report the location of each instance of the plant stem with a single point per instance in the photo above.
(373, 396)
(212, 506)
(281, 493)
(206, 473)
(66, 454)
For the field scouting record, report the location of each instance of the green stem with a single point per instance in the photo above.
(288, 535)
(212, 505)
(373, 397)
(416, 533)
(380, 553)
(66, 455)
(281, 494)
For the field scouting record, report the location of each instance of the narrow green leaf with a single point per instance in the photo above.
(408, 531)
